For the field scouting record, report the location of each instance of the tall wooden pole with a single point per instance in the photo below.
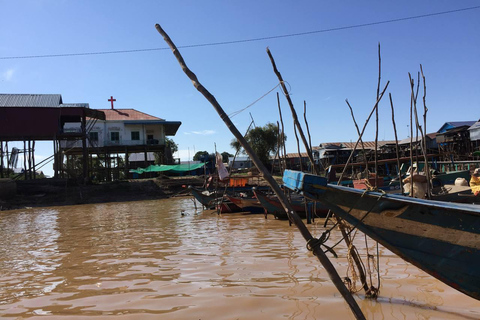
(55, 158)
(1, 159)
(24, 160)
(396, 144)
(30, 159)
(317, 250)
(85, 148)
(294, 113)
(376, 114)
(33, 161)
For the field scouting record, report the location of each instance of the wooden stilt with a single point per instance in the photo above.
(25, 159)
(33, 160)
(1, 159)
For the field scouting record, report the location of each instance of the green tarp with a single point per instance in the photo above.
(164, 167)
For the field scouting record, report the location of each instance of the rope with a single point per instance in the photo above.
(315, 243)
(372, 291)
(233, 114)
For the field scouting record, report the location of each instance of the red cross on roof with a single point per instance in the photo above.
(111, 100)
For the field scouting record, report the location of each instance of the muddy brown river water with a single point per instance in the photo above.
(164, 260)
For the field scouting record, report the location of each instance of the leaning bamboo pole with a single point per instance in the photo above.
(298, 147)
(396, 144)
(425, 110)
(361, 133)
(306, 127)
(361, 140)
(283, 134)
(317, 250)
(369, 291)
(411, 137)
(376, 114)
(422, 133)
(294, 113)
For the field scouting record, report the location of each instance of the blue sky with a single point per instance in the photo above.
(322, 68)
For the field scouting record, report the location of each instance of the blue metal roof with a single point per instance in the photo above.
(454, 124)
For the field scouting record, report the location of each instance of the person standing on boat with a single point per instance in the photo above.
(475, 182)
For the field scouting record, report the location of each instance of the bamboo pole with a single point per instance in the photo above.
(361, 134)
(306, 126)
(283, 134)
(294, 113)
(317, 250)
(376, 113)
(425, 110)
(277, 152)
(419, 128)
(411, 136)
(298, 147)
(396, 144)
(361, 140)
(369, 292)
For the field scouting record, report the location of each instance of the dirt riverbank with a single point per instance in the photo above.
(57, 192)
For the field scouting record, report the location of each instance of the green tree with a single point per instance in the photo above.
(169, 143)
(263, 140)
(166, 157)
(200, 155)
(225, 156)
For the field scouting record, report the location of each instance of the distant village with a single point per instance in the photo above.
(112, 144)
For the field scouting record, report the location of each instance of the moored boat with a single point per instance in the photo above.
(213, 200)
(441, 238)
(246, 205)
(272, 205)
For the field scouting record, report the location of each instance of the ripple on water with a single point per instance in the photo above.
(147, 260)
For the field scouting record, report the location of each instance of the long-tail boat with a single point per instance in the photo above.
(441, 238)
(247, 205)
(212, 200)
(272, 205)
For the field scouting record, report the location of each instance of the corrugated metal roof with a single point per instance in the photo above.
(461, 123)
(454, 124)
(30, 100)
(127, 114)
(475, 126)
(351, 145)
(295, 155)
(75, 105)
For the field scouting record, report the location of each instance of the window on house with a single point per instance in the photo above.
(93, 136)
(115, 136)
(135, 135)
(150, 137)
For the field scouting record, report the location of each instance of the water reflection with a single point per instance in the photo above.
(30, 254)
(151, 258)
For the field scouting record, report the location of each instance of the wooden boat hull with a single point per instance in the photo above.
(441, 238)
(450, 177)
(207, 200)
(213, 201)
(247, 204)
(273, 206)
